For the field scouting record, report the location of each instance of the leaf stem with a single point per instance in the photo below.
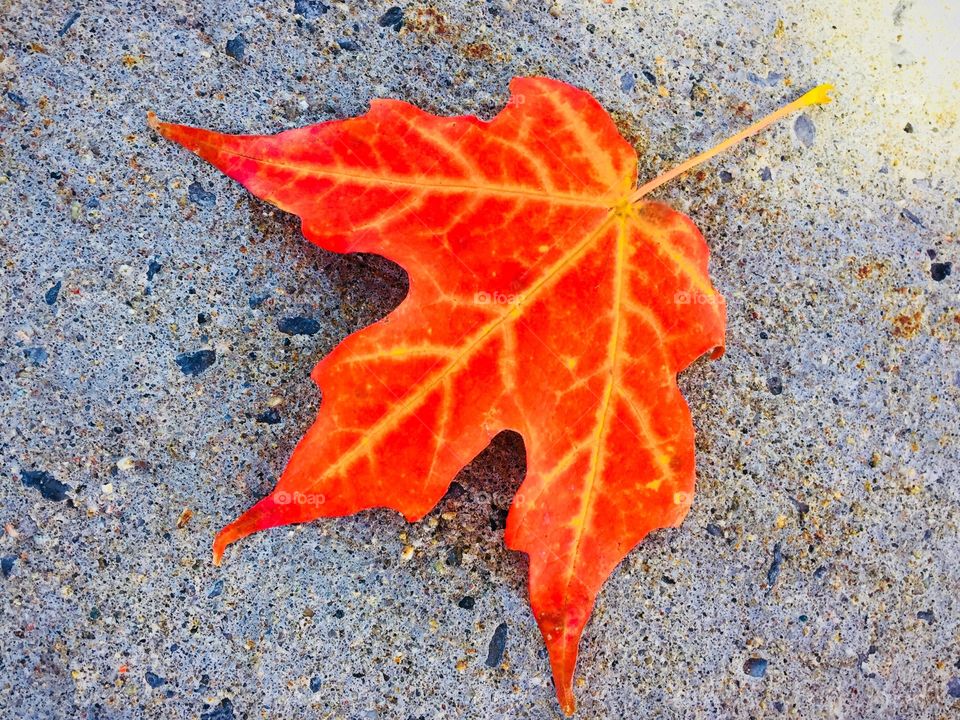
(817, 96)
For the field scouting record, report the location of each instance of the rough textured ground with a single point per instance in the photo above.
(823, 541)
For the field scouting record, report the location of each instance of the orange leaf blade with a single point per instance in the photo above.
(541, 300)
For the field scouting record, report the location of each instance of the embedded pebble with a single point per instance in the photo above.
(153, 267)
(154, 680)
(773, 572)
(222, 711)
(270, 416)
(953, 687)
(194, 363)
(467, 602)
(298, 326)
(909, 215)
(940, 271)
(50, 296)
(310, 9)
(498, 645)
(805, 130)
(200, 197)
(36, 355)
(392, 18)
(236, 47)
(216, 590)
(46, 484)
(755, 667)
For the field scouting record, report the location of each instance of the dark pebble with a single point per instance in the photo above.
(154, 680)
(907, 215)
(651, 78)
(6, 565)
(65, 28)
(714, 529)
(236, 47)
(315, 684)
(36, 355)
(940, 271)
(766, 175)
(216, 590)
(348, 45)
(298, 326)
(775, 385)
(908, 128)
(256, 301)
(269, 417)
(455, 557)
(628, 81)
(17, 100)
(591, 28)
(725, 176)
(805, 130)
(820, 572)
(926, 615)
(223, 711)
(467, 602)
(194, 363)
(498, 644)
(755, 667)
(203, 318)
(48, 486)
(338, 613)
(392, 18)
(773, 572)
(94, 614)
(51, 295)
(778, 706)
(953, 687)
(310, 9)
(200, 197)
(152, 269)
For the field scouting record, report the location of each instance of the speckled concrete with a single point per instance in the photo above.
(817, 574)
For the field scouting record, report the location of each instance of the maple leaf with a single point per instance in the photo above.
(546, 296)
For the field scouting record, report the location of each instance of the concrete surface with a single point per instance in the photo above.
(817, 574)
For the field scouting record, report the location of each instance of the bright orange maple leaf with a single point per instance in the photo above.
(546, 296)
